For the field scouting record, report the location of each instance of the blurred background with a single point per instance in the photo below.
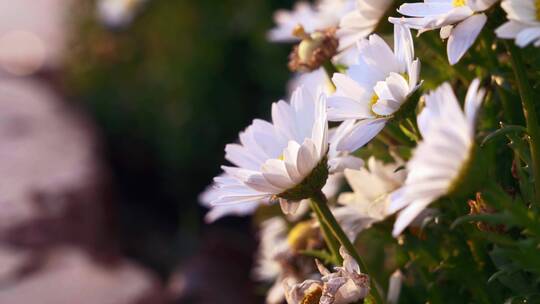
(113, 119)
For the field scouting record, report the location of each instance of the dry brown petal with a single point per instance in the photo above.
(478, 206)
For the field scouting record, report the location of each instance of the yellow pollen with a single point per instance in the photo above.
(458, 3)
(281, 157)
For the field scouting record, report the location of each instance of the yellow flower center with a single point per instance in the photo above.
(458, 3)
(372, 102)
(375, 98)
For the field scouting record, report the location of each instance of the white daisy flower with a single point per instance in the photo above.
(337, 162)
(459, 20)
(368, 203)
(443, 158)
(523, 24)
(295, 211)
(375, 88)
(118, 13)
(281, 160)
(312, 17)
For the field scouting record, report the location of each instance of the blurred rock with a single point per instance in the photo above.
(57, 241)
(52, 184)
(70, 276)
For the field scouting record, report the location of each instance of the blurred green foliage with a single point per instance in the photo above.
(168, 92)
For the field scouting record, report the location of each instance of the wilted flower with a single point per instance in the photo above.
(277, 258)
(369, 200)
(375, 88)
(345, 285)
(312, 17)
(442, 159)
(306, 292)
(313, 51)
(459, 20)
(523, 24)
(479, 206)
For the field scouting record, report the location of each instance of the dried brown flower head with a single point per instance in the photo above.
(478, 206)
(314, 49)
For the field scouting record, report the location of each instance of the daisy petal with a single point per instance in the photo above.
(527, 36)
(408, 215)
(463, 37)
(361, 134)
(306, 160)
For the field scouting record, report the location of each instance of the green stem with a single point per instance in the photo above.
(395, 132)
(328, 218)
(330, 69)
(511, 114)
(529, 112)
(330, 240)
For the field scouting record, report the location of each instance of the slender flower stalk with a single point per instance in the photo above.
(328, 218)
(533, 129)
(329, 238)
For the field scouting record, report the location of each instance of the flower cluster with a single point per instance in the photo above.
(363, 114)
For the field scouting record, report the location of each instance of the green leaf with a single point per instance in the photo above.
(495, 218)
(322, 255)
(501, 132)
